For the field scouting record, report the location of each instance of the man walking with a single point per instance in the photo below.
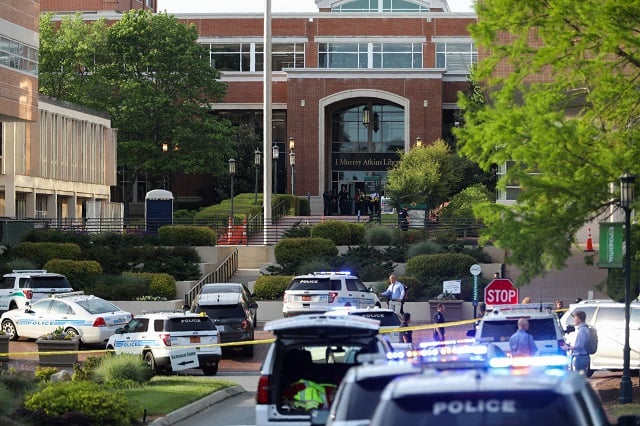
(521, 342)
(395, 293)
(579, 355)
(438, 318)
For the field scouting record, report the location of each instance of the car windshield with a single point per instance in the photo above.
(487, 408)
(221, 311)
(362, 398)
(501, 330)
(325, 284)
(48, 282)
(221, 288)
(189, 324)
(97, 306)
(387, 319)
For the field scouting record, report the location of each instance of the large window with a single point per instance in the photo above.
(19, 56)
(249, 57)
(370, 55)
(456, 56)
(385, 133)
(379, 6)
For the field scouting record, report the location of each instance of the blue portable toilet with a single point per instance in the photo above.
(158, 209)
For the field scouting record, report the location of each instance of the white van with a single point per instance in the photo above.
(607, 317)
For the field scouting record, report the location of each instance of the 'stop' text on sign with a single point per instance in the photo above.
(501, 291)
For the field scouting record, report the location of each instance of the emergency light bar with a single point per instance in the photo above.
(534, 361)
(332, 273)
(521, 308)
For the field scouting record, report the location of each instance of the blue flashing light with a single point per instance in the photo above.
(549, 361)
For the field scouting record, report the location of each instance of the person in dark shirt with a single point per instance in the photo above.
(406, 336)
(438, 318)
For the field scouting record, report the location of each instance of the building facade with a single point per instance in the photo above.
(96, 6)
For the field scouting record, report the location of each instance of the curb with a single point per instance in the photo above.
(197, 406)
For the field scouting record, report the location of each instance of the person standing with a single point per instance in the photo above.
(438, 318)
(521, 343)
(406, 336)
(580, 359)
(395, 293)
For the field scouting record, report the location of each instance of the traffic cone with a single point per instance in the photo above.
(589, 243)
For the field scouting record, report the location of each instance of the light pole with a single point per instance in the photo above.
(292, 162)
(232, 172)
(627, 195)
(275, 151)
(257, 160)
(419, 142)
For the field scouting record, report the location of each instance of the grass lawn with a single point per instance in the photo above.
(164, 394)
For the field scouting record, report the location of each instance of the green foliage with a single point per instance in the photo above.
(43, 374)
(415, 291)
(85, 370)
(103, 405)
(180, 262)
(41, 252)
(396, 253)
(461, 204)
(337, 231)
(366, 262)
(313, 266)
(54, 236)
(380, 235)
(431, 269)
(58, 334)
(19, 382)
(271, 287)
(290, 252)
(14, 264)
(182, 235)
(80, 273)
(160, 285)
(298, 230)
(357, 233)
(424, 247)
(10, 401)
(128, 286)
(184, 214)
(114, 369)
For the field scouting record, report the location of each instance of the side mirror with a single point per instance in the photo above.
(471, 333)
(570, 329)
(253, 305)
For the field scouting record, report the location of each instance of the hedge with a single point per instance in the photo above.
(80, 273)
(160, 285)
(334, 230)
(290, 252)
(271, 287)
(41, 253)
(185, 235)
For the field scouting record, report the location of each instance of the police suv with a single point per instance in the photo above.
(322, 291)
(30, 285)
(171, 341)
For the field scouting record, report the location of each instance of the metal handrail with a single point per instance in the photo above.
(222, 274)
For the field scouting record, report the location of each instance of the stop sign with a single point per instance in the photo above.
(501, 291)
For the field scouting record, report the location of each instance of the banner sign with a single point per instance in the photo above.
(611, 243)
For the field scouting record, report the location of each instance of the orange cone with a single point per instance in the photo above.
(589, 242)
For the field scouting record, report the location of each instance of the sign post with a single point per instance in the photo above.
(475, 271)
(501, 291)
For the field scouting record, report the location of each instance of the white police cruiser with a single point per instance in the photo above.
(322, 291)
(171, 341)
(30, 285)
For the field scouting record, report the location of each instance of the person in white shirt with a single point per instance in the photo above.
(395, 293)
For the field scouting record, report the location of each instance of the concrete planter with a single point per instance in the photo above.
(4, 347)
(66, 352)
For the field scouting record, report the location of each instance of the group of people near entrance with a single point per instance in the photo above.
(521, 343)
(339, 203)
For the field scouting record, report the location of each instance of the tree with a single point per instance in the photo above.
(150, 74)
(461, 204)
(429, 172)
(564, 118)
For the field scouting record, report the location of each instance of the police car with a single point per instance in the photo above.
(527, 395)
(390, 322)
(171, 341)
(501, 321)
(90, 317)
(323, 291)
(30, 285)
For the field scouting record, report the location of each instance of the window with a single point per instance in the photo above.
(60, 308)
(379, 6)
(349, 135)
(7, 282)
(456, 56)
(370, 55)
(19, 56)
(249, 57)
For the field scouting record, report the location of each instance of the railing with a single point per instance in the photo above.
(222, 274)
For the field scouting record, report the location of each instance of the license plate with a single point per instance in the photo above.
(306, 298)
(194, 339)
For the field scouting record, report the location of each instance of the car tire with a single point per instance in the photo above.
(210, 370)
(150, 360)
(247, 350)
(10, 328)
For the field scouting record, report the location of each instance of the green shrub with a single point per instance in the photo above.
(55, 236)
(127, 286)
(10, 401)
(366, 262)
(432, 269)
(396, 253)
(85, 370)
(41, 253)
(357, 233)
(14, 264)
(379, 235)
(334, 230)
(103, 405)
(184, 235)
(313, 266)
(424, 247)
(19, 382)
(290, 252)
(415, 290)
(271, 287)
(184, 214)
(160, 285)
(298, 230)
(43, 374)
(122, 367)
(80, 273)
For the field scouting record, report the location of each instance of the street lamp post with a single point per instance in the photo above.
(257, 160)
(292, 161)
(232, 172)
(627, 195)
(275, 151)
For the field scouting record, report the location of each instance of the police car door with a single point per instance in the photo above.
(7, 292)
(364, 297)
(133, 337)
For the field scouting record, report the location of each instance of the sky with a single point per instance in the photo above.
(277, 6)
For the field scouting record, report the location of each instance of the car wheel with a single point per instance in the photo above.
(247, 350)
(9, 328)
(211, 370)
(150, 360)
(72, 332)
